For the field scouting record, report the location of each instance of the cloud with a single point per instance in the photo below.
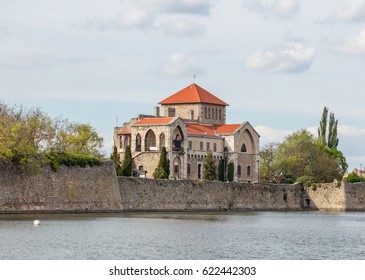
(183, 28)
(269, 134)
(147, 15)
(282, 9)
(349, 11)
(291, 58)
(350, 131)
(180, 65)
(355, 45)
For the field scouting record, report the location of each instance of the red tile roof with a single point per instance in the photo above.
(226, 128)
(193, 94)
(211, 130)
(123, 132)
(153, 121)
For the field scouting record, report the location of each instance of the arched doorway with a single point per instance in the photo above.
(150, 141)
(177, 139)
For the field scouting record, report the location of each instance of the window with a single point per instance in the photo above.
(216, 113)
(220, 114)
(140, 168)
(176, 169)
(126, 141)
(248, 170)
(192, 114)
(243, 148)
(201, 146)
(190, 145)
(205, 112)
(199, 171)
(138, 143)
(208, 113)
(171, 112)
(208, 146)
(214, 147)
(213, 114)
(120, 142)
(239, 171)
(189, 169)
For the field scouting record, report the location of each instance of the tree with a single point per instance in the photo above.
(268, 165)
(230, 171)
(210, 168)
(221, 170)
(116, 159)
(126, 168)
(323, 127)
(162, 170)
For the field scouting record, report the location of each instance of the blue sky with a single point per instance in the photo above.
(276, 62)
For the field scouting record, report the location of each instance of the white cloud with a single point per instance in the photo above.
(355, 45)
(176, 6)
(269, 134)
(283, 9)
(350, 131)
(350, 11)
(294, 57)
(182, 27)
(179, 64)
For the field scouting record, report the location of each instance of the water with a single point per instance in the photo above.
(248, 235)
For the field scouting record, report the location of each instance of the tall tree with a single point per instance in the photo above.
(210, 168)
(268, 163)
(230, 171)
(162, 170)
(221, 170)
(116, 159)
(126, 168)
(332, 141)
(323, 127)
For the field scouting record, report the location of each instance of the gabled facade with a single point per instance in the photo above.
(192, 122)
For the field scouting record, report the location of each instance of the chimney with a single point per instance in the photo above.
(156, 111)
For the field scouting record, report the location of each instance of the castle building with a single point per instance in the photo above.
(188, 124)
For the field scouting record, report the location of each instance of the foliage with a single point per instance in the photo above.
(56, 159)
(221, 170)
(162, 170)
(126, 168)
(354, 178)
(210, 168)
(268, 166)
(28, 137)
(306, 180)
(230, 171)
(116, 159)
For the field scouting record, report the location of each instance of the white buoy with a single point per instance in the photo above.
(36, 222)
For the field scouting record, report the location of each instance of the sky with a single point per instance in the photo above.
(276, 62)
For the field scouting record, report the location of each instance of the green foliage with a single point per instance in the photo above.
(268, 164)
(323, 127)
(126, 168)
(162, 170)
(116, 159)
(29, 138)
(221, 170)
(306, 180)
(354, 178)
(55, 159)
(210, 168)
(230, 171)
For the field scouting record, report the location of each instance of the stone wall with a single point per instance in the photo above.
(340, 197)
(167, 195)
(69, 189)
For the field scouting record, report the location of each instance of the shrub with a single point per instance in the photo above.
(306, 180)
(56, 159)
(354, 178)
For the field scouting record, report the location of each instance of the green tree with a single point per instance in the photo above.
(162, 170)
(322, 130)
(268, 164)
(230, 171)
(116, 159)
(221, 170)
(126, 168)
(210, 168)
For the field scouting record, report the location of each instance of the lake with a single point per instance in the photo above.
(175, 236)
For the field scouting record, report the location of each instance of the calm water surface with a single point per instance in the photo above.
(249, 235)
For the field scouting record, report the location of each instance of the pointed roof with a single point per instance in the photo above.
(193, 94)
(211, 130)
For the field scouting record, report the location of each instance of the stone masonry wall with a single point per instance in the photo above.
(69, 189)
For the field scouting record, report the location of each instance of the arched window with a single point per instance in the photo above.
(205, 112)
(239, 171)
(243, 148)
(162, 140)
(248, 170)
(216, 113)
(150, 141)
(208, 113)
(138, 143)
(220, 114)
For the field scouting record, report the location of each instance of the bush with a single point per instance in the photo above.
(55, 159)
(354, 178)
(306, 180)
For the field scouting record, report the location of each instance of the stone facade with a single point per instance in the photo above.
(192, 122)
